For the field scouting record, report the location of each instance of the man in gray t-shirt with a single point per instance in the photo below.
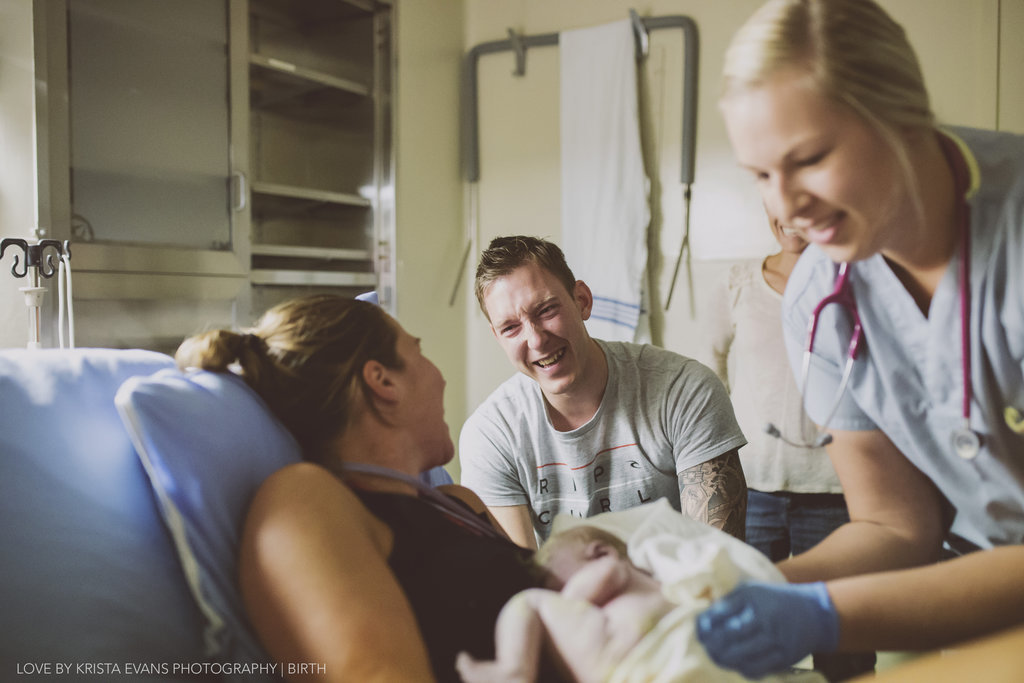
(589, 426)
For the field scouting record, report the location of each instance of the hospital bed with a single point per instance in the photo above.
(123, 487)
(124, 484)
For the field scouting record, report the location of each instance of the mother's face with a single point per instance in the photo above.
(423, 400)
(822, 171)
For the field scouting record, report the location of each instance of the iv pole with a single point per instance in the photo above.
(36, 262)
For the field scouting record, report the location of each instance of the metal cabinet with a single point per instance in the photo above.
(209, 158)
(319, 161)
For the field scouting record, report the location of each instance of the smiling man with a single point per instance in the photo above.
(589, 426)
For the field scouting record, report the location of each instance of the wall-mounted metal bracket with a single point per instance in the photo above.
(519, 48)
(640, 38)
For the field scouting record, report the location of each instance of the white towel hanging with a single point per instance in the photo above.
(605, 206)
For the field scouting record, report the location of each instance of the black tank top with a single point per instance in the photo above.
(456, 579)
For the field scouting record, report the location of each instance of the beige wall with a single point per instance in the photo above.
(428, 190)
(17, 163)
(956, 40)
(1011, 60)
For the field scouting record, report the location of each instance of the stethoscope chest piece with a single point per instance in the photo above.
(966, 443)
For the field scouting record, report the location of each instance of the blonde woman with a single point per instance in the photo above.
(825, 104)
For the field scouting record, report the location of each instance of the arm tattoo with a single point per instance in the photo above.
(715, 492)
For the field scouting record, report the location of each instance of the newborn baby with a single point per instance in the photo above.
(607, 617)
(600, 607)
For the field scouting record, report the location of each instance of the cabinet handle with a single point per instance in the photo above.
(241, 191)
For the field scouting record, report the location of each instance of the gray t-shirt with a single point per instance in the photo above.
(661, 414)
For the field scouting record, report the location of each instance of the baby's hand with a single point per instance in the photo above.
(479, 671)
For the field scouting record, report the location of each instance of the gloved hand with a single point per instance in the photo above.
(762, 628)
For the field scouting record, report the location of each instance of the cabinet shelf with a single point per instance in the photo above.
(311, 278)
(311, 12)
(318, 112)
(319, 253)
(289, 77)
(309, 194)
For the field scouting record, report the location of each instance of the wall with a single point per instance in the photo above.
(428, 190)
(17, 170)
(1011, 61)
(962, 44)
(958, 43)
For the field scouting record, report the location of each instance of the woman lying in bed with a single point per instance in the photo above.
(363, 572)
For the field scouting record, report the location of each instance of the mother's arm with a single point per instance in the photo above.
(317, 586)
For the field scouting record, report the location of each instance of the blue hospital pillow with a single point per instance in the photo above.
(88, 572)
(207, 441)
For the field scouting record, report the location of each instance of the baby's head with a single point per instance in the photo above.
(565, 552)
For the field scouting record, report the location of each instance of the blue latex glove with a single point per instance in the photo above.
(762, 628)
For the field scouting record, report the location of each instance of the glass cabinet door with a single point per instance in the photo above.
(149, 122)
(208, 158)
(135, 113)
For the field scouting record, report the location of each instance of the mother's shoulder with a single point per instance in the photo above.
(305, 492)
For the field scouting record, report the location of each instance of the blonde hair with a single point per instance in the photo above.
(305, 359)
(579, 536)
(851, 52)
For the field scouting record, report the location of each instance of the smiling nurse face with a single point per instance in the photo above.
(822, 170)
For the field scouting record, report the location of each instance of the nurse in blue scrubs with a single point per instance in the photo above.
(825, 105)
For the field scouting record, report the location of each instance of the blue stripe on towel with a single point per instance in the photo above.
(616, 302)
(616, 312)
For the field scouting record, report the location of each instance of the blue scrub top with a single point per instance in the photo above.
(908, 380)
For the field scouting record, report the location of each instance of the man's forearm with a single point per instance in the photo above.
(715, 492)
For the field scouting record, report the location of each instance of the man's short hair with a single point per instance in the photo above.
(505, 254)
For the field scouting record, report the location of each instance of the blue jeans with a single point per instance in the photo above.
(780, 524)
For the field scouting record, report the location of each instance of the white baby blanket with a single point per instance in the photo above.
(605, 209)
(695, 564)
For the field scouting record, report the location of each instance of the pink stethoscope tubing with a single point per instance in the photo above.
(842, 294)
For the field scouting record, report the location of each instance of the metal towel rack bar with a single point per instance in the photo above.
(519, 44)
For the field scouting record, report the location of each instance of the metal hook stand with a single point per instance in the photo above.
(35, 261)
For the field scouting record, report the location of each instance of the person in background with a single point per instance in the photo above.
(589, 426)
(825, 104)
(794, 499)
(347, 559)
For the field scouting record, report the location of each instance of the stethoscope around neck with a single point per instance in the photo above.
(965, 441)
